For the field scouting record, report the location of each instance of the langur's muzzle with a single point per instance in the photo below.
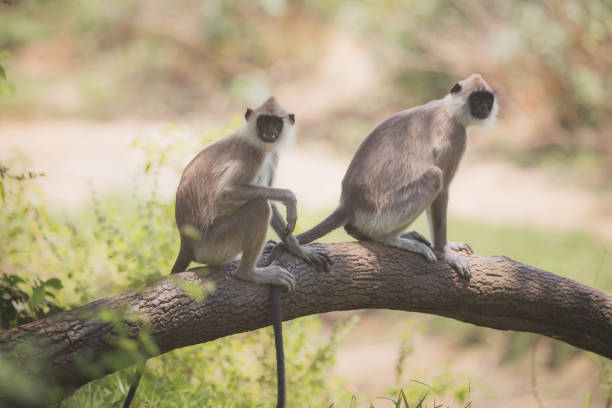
(269, 128)
(481, 104)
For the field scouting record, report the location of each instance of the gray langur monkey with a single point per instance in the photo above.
(404, 167)
(223, 209)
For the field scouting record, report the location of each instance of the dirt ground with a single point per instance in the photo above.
(77, 156)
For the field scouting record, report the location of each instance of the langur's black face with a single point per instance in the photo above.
(269, 128)
(481, 104)
(269, 121)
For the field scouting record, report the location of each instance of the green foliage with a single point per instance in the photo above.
(139, 248)
(29, 391)
(22, 299)
(419, 392)
(402, 399)
(38, 244)
(19, 306)
(605, 372)
(440, 383)
(414, 397)
(197, 292)
(127, 347)
(5, 86)
(237, 371)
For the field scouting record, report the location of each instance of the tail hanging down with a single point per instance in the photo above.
(277, 321)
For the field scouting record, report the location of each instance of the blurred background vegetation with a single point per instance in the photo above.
(167, 77)
(550, 60)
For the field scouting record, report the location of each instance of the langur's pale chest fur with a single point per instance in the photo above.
(265, 175)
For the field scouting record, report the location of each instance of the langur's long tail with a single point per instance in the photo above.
(336, 219)
(278, 342)
(183, 258)
(137, 376)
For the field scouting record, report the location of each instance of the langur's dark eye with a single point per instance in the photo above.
(292, 118)
(456, 88)
(248, 113)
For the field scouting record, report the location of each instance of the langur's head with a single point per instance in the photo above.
(472, 102)
(269, 125)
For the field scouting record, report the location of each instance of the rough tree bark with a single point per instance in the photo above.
(502, 294)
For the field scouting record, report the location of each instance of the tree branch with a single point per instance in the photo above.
(502, 294)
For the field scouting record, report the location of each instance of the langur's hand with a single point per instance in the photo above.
(291, 218)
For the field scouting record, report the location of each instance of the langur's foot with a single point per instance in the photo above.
(312, 256)
(456, 261)
(412, 245)
(277, 249)
(270, 275)
(415, 236)
(270, 245)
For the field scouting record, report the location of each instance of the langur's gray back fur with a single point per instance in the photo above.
(229, 161)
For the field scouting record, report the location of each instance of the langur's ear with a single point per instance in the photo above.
(456, 88)
(292, 118)
(248, 113)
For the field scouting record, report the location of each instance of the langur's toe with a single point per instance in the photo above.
(461, 247)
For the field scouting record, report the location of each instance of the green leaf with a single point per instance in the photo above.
(38, 295)
(403, 396)
(54, 283)
(191, 232)
(2, 73)
(16, 279)
(420, 404)
(193, 290)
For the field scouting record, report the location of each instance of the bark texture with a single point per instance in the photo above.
(502, 294)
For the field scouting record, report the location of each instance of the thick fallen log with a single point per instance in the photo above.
(502, 294)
